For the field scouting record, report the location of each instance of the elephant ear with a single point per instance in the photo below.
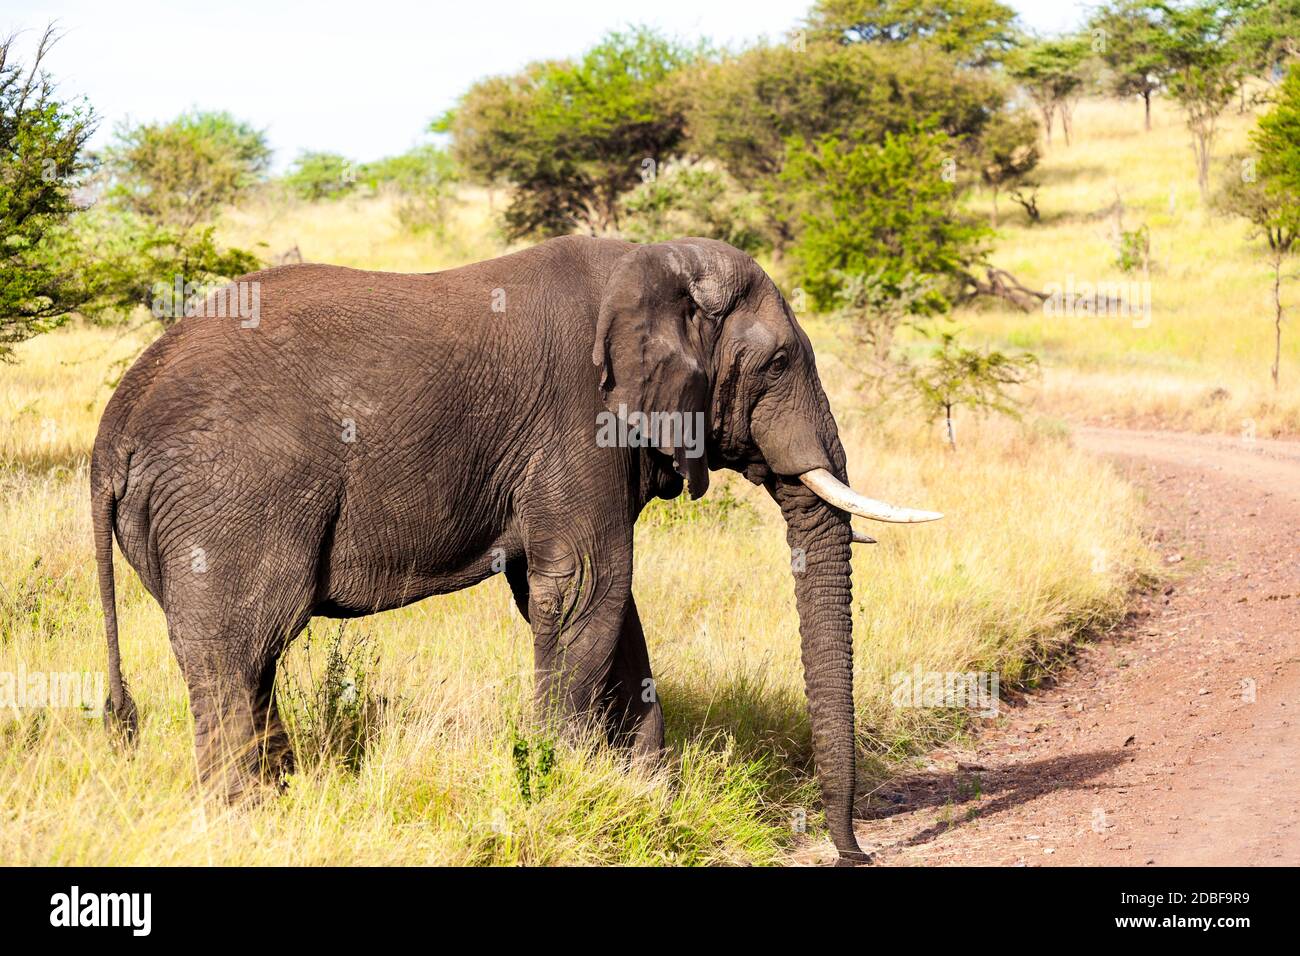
(659, 318)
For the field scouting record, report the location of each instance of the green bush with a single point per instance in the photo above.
(328, 705)
(423, 181)
(888, 211)
(315, 176)
(693, 199)
(179, 175)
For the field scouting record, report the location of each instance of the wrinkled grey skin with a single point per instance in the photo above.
(221, 464)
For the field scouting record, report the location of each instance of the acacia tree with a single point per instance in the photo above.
(1204, 75)
(1267, 36)
(1052, 72)
(979, 379)
(573, 138)
(1008, 151)
(745, 110)
(1126, 38)
(168, 184)
(977, 32)
(41, 161)
(1267, 192)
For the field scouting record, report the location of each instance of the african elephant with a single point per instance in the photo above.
(373, 439)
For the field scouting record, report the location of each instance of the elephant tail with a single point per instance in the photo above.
(120, 716)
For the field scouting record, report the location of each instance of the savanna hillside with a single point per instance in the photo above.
(1200, 360)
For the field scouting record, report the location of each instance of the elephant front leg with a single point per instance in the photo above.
(577, 599)
(636, 719)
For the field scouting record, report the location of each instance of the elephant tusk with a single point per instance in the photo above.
(860, 538)
(834, 492)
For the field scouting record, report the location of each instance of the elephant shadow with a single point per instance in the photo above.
(1010, 786)
(767, 723)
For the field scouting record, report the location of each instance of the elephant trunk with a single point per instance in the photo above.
(820, 538)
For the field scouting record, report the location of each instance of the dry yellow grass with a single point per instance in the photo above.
(364, 232)
(1040, 544)
(990, 587)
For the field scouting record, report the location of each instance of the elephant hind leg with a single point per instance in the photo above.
(228, 632)
(239, 738)
(225, 741)
(276, 758)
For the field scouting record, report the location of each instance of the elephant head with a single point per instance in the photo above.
(695, 328)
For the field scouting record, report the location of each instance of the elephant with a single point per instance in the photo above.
(372, 439)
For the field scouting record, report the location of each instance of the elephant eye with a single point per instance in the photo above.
(778, 363)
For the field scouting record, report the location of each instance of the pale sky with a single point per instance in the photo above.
(361, 77)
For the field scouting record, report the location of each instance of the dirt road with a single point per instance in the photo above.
(1174, 740)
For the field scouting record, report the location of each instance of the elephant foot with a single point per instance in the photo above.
(233, 787)
(640, 733)
(277, 765)
(240, 771)
(855, 858)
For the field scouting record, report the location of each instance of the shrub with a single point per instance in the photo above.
(422, 180)
(329, 707)
(178, 175)
(41, 160)
(316, 175)
(693, 199)
(886, 210)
